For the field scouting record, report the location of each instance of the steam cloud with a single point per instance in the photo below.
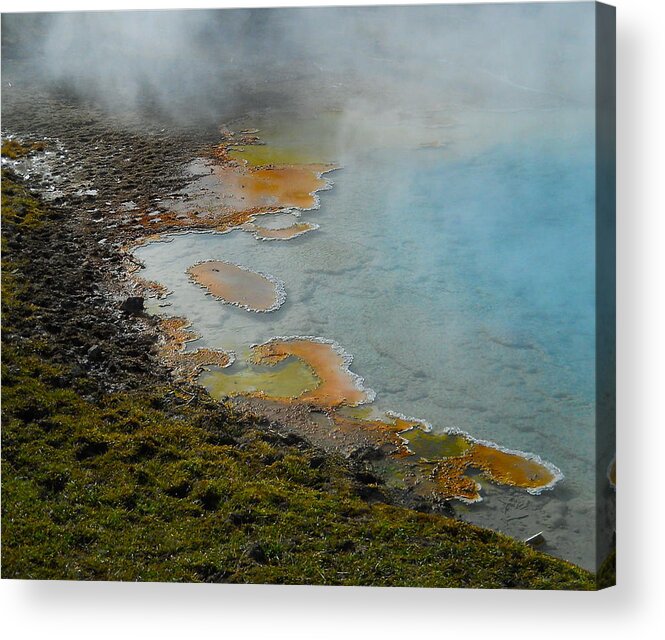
(207, 63)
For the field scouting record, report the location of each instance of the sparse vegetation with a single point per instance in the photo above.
(13, 149)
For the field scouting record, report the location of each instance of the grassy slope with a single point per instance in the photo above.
(131, 488)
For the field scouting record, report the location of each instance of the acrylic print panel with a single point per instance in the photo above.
(310, 296)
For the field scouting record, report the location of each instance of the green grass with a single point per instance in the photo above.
(138, 487)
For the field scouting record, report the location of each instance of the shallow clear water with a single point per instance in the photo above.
(461, 278)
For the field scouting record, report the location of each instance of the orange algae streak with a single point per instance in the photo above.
(187, 364)
(233, 195)
(441, 462)
(451, 481)
(286, 233)
(378, 432)
(510, 468)
(238, 286)
(271, 188)
(446, 475)
(207, 358)
(329, 363)
(177, 334)
(151, 288)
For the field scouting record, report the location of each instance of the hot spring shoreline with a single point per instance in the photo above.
(98, 433)
(227, 192)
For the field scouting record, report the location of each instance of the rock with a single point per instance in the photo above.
(366, 452)
(241, 517)
(133, 304)
(257, 553)
(95, 352)
(535, 540)
(367, 477)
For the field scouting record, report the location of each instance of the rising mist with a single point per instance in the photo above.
(208, 63)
